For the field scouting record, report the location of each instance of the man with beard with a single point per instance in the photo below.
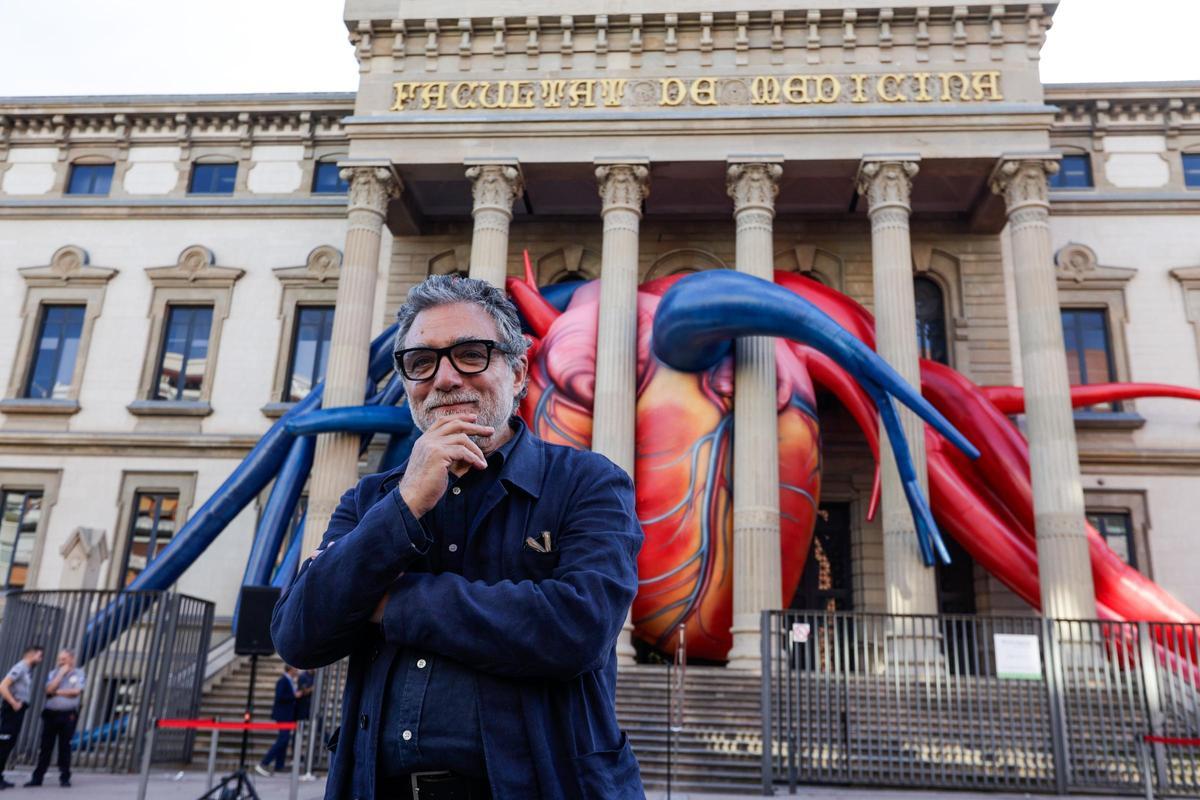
(478, 589)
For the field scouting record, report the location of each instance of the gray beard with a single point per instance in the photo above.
(492, 412)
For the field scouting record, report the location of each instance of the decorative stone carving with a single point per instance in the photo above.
(196, 266)
(370, 188)
(1022, 182)
(323, 266)
(887, 184)
(1075, 262)
(68, 267)
(623, 186)
(495, 186)
(83, 553)
(753, 185)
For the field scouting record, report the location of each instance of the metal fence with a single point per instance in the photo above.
(1004, 703)
(143, 654)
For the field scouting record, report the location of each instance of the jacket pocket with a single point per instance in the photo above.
(610, 774)
(538, 566)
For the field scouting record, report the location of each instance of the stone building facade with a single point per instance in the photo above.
(903, 154)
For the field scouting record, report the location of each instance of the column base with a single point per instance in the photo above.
(625, 652)
(746, 653)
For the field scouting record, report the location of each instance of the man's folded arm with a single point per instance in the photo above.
(559, 627)
(320, 616)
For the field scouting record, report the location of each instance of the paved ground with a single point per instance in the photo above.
(190, 785)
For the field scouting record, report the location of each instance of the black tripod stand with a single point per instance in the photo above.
(237, 784)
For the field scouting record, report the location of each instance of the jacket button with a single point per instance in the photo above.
(362, 722)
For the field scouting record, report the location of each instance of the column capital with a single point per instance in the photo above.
(371, 187)
(1022, 180)
(623, 186)
(886, 182)
(494, 186)
(753, 185)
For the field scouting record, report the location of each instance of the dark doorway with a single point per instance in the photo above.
(956, 595)
(827, 583)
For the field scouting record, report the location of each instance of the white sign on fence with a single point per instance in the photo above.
(800, 631)
(1018, 656)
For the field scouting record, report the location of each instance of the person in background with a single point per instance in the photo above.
(64, 688)
(14, 692)
(283, 709)
(304, 690)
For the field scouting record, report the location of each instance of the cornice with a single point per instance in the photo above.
(40, 443)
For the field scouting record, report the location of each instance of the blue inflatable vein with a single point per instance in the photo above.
(700, 316)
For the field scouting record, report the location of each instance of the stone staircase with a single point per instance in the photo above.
(718, 750)
(225, 699)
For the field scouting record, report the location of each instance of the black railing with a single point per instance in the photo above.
(975, 702)
(151, 665)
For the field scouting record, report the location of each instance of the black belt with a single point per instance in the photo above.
(435, 786)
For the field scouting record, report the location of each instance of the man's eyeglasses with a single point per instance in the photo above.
(469, 358)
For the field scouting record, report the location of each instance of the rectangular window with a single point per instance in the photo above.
(212, 179)
(310, 350)
(1117, 530)
(327, 180)
(1089, 349)
(1074, 172)
(18, 532)
(184, 357)
(151, 529)
(1191, 170)
(93, 179)
(57, 347)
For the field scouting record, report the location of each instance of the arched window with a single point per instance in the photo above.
(931, 320)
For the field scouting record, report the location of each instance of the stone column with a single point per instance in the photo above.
(335, 465)
(494, 187)
(1064, 565)
(756, 574)
(622, 188)
(910, 586)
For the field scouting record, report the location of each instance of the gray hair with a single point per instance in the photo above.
(444, 290)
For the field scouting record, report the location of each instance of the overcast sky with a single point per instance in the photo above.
(58, 47)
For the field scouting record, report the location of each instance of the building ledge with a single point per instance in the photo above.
(1109, 420)
(30, 405)
(169, 408)
(276, 410)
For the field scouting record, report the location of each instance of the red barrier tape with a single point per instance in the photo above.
(1171, 740)
(213, 725)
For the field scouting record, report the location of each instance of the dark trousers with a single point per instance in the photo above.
(278, 751)
(10, 727)
(57, 729)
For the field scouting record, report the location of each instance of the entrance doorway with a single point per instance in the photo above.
(827, 583)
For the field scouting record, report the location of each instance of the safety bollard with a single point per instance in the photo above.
(144, 780)
(294, 789)
(212, 759)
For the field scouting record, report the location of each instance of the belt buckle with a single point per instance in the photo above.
(415, 779)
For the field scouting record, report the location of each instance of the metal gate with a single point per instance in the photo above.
(1005, 703)
(147, 663)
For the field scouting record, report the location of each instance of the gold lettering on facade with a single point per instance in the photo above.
(887, 88)
(986, 85)
(521, 95)
(673, 91)
(552, 93)
(490, 95)
(923, 95)
(829, 88)
(704, 91)
(764, 90)
(405, 91)
(433, 96)
(612, 90)
(948, 79)
(463, 95)
(581, 92)
(795, 89)
(859, 95)
(892, 87)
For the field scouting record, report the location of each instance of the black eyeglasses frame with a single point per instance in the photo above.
(444, 352)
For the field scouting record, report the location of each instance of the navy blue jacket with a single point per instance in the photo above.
(283, 709)
(539, 629)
